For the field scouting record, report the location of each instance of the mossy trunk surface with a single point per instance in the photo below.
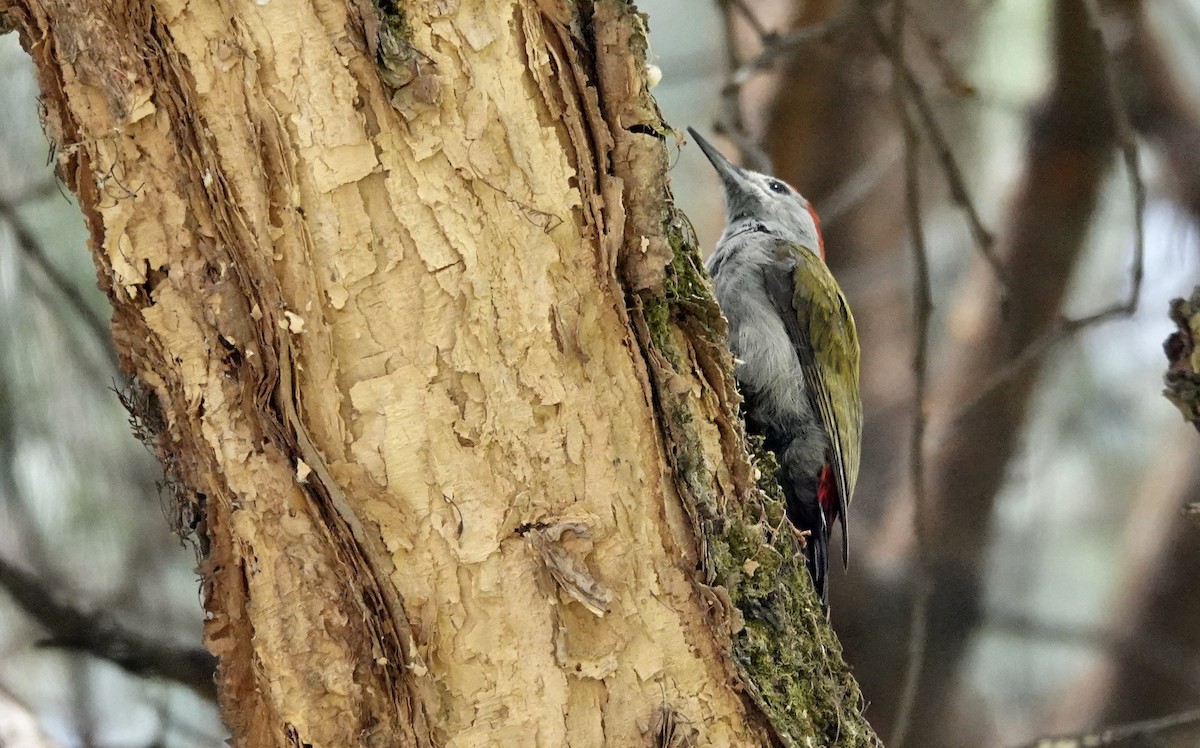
(432, 364)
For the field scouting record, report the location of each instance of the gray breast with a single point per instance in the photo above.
(767, 363)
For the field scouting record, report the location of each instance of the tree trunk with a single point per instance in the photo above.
(426, 353)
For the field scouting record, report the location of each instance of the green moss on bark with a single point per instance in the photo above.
(408, 75)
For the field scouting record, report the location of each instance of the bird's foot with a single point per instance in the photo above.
(801, 535)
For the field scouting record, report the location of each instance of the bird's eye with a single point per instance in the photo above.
(777, 187)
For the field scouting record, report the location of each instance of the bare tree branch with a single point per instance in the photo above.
(730, 118)
(1067, 328)
(731, 121)
(922, 309)
(31, 250)
(1162, 108)
(951, 78)
(984, 239)
(100, 636)
(755, 25)
(1149, 728)
(776, 47)
(1068, 152)
(1127, 142)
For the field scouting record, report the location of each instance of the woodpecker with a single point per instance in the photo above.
(795, 348)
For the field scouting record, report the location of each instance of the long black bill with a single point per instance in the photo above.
(732, 176)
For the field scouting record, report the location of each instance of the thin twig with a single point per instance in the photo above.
(951, 78)
(730, 120)
(31, 249)
(782, 45)
(1127, 142)
(1060, 333)
(1120, 733)
(1067, 328)
(922, 310)
(858, 185)
(99, 636)
(957, 183)
(755, 25)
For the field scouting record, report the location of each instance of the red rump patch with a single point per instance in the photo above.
(820, 240)
(827, 495)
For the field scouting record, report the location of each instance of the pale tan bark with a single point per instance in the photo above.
(388, 330)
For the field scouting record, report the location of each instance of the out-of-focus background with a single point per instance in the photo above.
(82, 529)
(1060, 576)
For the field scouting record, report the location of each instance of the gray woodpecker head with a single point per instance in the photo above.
(753, 199)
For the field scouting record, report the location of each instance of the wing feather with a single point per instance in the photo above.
(826, 339)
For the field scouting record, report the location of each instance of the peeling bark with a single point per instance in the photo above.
(1183, 363)
(436, 373)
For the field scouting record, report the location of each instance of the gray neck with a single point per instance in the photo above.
(744, 226)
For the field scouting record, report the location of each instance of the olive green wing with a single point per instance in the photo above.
(819, 321)
(822, 329)
(831, 373)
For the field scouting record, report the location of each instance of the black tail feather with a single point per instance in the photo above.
(798, 477)
(845, 538)
(817, 559)
(806, 516)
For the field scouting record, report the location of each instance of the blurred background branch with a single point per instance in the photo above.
(98, 635)
(922, 295)
(1144, 733)
(55, 285)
